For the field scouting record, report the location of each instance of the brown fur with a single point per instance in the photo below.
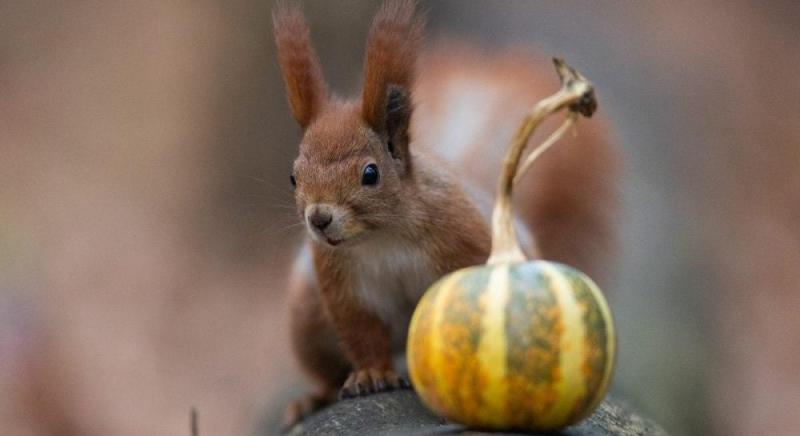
(363, 351)
(305, 86)
(392, 45)
(571, 199)
(387, 242)
(567, 200)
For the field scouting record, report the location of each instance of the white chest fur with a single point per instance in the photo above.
(390, 278)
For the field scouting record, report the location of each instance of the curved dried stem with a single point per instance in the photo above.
(577, 95)
(572, 117)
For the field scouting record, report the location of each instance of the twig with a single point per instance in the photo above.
(193, 427)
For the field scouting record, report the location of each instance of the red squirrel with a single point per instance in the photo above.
(394, 188)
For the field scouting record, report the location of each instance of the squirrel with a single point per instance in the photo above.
(394, 188)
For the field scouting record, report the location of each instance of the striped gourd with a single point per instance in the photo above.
(515, 344)
(527, 345)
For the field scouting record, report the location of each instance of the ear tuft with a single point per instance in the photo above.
(392, 46)
(302, 75)
(397, 120)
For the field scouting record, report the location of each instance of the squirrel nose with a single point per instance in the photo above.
(320, 220)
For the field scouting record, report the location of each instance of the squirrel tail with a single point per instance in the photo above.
(570, 200)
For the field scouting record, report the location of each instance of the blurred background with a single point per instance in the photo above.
(146, 217)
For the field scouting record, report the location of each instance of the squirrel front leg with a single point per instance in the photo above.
(363, 337)
(367, 343)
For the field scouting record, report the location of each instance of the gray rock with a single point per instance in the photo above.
(401, 413)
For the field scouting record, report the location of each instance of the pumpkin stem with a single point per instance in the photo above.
(577, 95)
(569, 121)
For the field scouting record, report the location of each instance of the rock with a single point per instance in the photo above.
(401, 413)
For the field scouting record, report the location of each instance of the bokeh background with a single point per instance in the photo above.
(146, 218)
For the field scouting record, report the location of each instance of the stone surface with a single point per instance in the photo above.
(401, 413)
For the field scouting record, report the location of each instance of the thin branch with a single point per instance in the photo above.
(193, 426)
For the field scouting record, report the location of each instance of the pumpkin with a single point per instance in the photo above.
(515, 344)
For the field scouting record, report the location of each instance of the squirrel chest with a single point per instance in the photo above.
(388, 277)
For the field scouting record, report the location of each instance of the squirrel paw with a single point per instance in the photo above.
(303, 407)
(368, 381)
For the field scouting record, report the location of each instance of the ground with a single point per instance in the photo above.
(401, 413)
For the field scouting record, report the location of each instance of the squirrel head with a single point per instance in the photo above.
(352, 172)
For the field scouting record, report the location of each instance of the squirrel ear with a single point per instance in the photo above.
(302, 75)
(398, 116)
(392, 46)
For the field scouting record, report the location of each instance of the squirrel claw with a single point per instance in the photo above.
(368, 381)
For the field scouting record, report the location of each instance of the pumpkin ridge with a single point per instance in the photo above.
(438, 365)
(609, 351)
(571, 385)
(420, 352)
(462, 322)
(493, 345)
(532, 326)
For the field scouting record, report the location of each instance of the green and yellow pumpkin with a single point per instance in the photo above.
(515, 344)
(527, 345)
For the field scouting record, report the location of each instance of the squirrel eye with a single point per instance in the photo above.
(370, 176)
(291, 179)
